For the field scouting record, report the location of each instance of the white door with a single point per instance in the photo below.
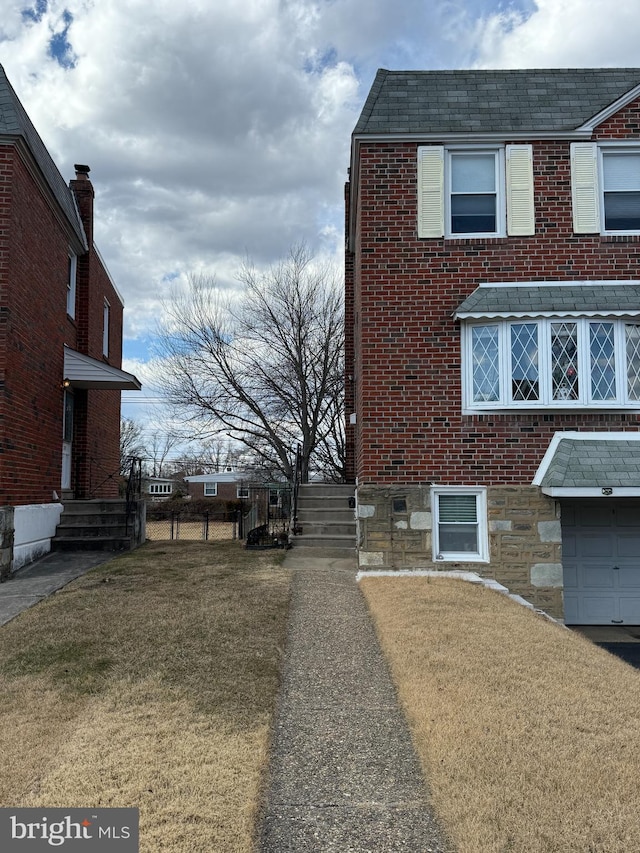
(67, 440)
(601, 560)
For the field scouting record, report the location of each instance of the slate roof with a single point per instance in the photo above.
(14, 122)
(549, 100)
(531, 300)
(602, 463)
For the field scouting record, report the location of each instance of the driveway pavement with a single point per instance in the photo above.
(30, 585)
(344, 777)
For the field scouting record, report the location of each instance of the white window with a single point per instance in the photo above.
(243, 491)
(475, 192)
(105, 329)
(460, 524)
(605, 184)
(71, 285)
(160, 488)
(210, 490)
(552, 362)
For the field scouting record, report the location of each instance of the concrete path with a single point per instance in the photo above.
(344, 777)
(30, 585)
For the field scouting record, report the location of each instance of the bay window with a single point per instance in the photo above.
(552, 362)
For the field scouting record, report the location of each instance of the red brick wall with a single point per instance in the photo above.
(34, 327)
(34, 293)
(407, 345)
(226, 491)
(97, 434)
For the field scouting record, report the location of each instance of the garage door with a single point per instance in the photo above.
(601, 560)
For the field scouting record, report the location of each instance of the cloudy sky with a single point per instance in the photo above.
(219, 130)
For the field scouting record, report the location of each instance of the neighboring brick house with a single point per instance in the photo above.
(60, 341)
(493, 331)
(227, 485)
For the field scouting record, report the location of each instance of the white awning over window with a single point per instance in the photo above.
(82, 371)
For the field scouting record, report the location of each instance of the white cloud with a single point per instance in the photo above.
(561, 34)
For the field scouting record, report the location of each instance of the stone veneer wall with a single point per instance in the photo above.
(525, 539)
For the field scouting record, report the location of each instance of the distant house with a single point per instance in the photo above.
(160, 488)
(228, 485)
(60, 343)
(493, 331)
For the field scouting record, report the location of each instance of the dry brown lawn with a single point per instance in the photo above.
(528, 734)
(150, 682)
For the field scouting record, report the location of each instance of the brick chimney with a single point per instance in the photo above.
(82, 188)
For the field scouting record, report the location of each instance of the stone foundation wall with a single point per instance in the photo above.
(525, 539)
(6, 541)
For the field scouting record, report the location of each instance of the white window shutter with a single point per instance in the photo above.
(585, 194)
(521, 220)
(431, 191)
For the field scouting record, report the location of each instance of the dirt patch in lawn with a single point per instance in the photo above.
(528, 734)
(149, 682)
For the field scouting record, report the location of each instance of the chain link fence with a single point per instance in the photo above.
(195, 527)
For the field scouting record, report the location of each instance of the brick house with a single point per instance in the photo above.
(60, 342)
(493, 331)
(226, 485)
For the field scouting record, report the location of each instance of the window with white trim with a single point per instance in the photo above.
(242, 491)
(475, 192)
(460, 524)
(160, 488)
(105, 328)
(605, 184)
(552, 362)
(72, 271)
(210, 490)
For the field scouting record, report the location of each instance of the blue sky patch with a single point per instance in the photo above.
(59, 47)
(35, 12)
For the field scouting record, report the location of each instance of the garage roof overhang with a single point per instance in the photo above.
(591, 464)
(82, 371)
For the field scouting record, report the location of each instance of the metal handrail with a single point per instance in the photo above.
(294, 528)
(133, 490)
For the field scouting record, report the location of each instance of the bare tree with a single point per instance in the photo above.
(131, 443)
(160, 445)
(266, 367)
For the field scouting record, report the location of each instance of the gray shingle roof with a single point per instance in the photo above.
(486, 301)
(579, 463)
(491, 101)
(14, 122)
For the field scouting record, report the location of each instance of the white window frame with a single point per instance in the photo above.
(603, 150)
(515, 208)
(482, 554)
(210, 490)
(587, 184)
(242, 492)
(105, 328)
(545, 384)
(499, 173)
(160, 488)
(72, 274)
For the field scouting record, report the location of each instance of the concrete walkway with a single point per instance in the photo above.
(31, 584)
(344, 777)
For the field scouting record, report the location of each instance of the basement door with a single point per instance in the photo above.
(601, 561)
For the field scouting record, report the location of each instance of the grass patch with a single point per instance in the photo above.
(528, 734)
(149, 682)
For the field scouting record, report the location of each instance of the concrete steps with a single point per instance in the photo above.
(96, 525)
(325, 519)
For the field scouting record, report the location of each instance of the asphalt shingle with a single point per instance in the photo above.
(536, 100)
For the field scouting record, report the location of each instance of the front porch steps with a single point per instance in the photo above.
(93, 525)
(325, 518)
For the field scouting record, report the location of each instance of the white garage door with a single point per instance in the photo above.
(601, 560)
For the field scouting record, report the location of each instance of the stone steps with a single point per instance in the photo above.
(325, 519)
(97, 525)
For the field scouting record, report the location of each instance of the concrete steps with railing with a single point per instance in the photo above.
(93, 525)
(325, 517)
